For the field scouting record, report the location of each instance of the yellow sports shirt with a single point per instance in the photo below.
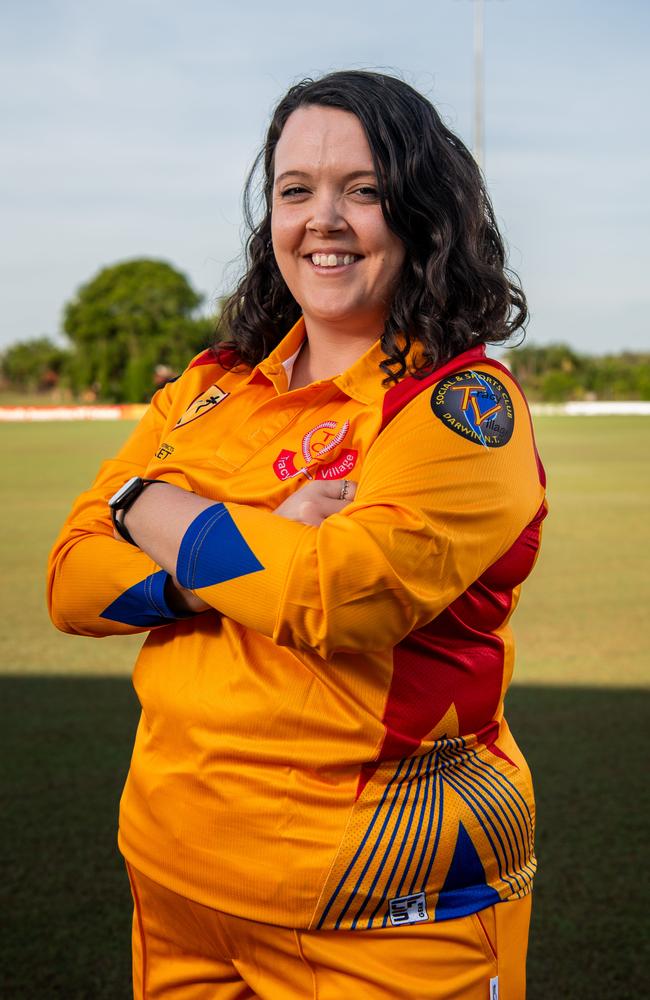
(326, 748)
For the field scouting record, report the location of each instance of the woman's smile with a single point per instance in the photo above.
(329, 259)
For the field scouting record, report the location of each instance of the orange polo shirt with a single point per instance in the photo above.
(327, 748)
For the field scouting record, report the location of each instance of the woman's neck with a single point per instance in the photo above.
(327, 354)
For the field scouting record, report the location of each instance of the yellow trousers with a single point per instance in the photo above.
(185, 951)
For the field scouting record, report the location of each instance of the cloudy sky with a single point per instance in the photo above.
(127, 129)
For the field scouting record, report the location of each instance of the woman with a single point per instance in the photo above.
(334, 516)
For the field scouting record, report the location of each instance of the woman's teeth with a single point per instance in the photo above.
(332, 259)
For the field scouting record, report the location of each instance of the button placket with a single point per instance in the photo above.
(272, 419)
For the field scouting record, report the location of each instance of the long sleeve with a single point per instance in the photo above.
(433, 511)
(98, 586)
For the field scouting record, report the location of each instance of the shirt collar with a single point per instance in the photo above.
(278, 365)
(363, 381)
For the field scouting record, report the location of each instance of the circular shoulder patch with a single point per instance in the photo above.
(475, 405)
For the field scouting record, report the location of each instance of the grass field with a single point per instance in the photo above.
(579, 710)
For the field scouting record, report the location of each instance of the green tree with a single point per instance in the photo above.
(34, 365)
(129, 319)
(555, 373)
(557, 386)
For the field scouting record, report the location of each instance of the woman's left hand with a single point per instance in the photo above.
(315, 501)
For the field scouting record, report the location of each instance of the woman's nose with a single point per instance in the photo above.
(326, 215)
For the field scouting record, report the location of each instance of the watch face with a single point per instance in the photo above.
(130, 489)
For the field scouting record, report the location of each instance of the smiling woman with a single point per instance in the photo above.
(323, 525)
(337, 255)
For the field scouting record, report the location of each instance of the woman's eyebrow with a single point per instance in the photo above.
(353, 175)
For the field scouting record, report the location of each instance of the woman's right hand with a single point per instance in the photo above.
(316, 500)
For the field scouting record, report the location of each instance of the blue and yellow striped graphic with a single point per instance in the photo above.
(396, 843)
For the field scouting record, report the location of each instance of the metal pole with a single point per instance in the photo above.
(479, 33)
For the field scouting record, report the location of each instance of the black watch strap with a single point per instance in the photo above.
(123, 500)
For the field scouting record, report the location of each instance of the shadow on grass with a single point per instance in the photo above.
(67, 903)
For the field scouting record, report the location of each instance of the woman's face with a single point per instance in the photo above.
(338, 257)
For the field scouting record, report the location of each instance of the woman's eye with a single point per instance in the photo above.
(292, 192)
(367, 191)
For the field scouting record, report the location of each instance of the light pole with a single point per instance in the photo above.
(479, 36)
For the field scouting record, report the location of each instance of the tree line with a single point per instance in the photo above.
(131, 328)
(555, 373)
(137, 324)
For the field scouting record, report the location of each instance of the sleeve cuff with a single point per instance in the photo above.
(143, 605)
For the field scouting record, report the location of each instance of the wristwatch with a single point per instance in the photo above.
(121, 501)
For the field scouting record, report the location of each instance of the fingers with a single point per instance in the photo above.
(347, 490)
(317, 500)
(337, 489)
(315, 511)
(323, 492)
(333, 489)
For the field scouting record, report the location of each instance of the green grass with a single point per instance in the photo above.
(578, 711)
(44, 467)
(65, 749)
(583, 615)
(65, 745)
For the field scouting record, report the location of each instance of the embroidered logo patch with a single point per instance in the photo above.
(202, 404)
(475, 405)
(408, 909)
(285, 466)
(165, 451)
(321, 456)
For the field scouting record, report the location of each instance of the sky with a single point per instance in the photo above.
(128, 128)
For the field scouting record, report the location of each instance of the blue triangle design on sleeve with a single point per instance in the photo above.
(213, 550)
(465, 890)
(142, 605)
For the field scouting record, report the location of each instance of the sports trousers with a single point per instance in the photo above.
(183, 950)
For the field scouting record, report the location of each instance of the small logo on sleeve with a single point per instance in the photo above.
(165, 451)
(475, 405)
(408, 909)
(202, 405)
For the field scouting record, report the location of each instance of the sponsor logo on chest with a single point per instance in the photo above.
(165, 451)
(323, 454)
(202, 405)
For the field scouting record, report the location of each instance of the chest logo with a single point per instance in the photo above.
(202, 405)
(322, 455)
(475, 405)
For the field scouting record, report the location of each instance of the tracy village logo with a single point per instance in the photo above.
(322, 455)
(475, 405)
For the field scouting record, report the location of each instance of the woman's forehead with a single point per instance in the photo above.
(317, 138)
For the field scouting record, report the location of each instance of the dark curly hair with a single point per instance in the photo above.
(454, 290)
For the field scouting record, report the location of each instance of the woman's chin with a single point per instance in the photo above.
(337, 318)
